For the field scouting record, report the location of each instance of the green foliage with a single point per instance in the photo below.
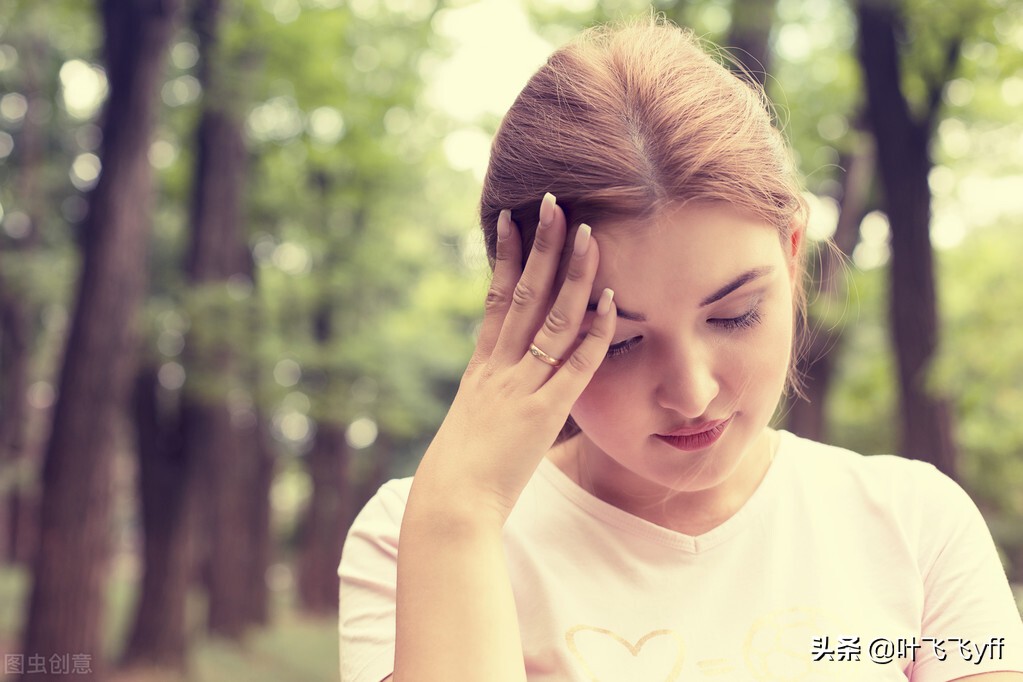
(349, 202)
(981, 363)
(39, 213)
(862, 410)
(816, 86)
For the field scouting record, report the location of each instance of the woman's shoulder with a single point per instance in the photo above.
(892, 479)
(885, 498)
(811, 454)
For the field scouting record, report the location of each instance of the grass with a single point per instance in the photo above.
(293, 647)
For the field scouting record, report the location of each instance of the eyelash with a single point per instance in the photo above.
(623, 347)
(747, 320)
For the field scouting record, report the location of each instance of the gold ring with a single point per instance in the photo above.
(544, 357)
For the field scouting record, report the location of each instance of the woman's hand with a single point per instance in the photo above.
(513, 401)
(456, 614)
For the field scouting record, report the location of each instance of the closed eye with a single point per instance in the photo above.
(622, 347)
(747, 320)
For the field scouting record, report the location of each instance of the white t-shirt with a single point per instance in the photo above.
(831, 546)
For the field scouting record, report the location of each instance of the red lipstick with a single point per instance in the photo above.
(696, 437)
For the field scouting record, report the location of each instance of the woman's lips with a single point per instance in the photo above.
(696, 437)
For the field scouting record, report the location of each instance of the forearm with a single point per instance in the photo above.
(456, 616)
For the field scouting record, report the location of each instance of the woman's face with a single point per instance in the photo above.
(700, 353)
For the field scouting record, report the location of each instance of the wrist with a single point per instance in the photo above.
(448, 487)
(452, 511)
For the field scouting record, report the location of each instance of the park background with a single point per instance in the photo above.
(241, 273)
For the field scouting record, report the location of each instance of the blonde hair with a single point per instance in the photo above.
(626, 119)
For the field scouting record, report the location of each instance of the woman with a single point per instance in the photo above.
(605, 499)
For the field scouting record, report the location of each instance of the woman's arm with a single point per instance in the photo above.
(456, 616)
(455, 611)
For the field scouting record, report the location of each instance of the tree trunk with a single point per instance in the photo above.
(326, 519)
(380, 473)
(201, 464)
(904, 163)
(227, 477)
(14, 360)
(258, 442)
(67, 602)
(260, 520)
(815, 365)
(329, 509)
(159, 634)
(214, 443)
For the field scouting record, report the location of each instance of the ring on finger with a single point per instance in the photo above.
(544, 357)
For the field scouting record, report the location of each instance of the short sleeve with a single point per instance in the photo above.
(970, 615)
(368, 579)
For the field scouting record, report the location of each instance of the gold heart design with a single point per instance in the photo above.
(633, 649)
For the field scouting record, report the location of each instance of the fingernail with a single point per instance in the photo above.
(547, 209)
(582, 241)
(604, 304)
(504, 224)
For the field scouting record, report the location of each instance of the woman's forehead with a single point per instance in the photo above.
(698, 250)
(691, 231)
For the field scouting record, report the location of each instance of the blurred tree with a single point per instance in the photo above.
(205, 458)
(218, 445)
(822, 328)
(903, 130)
(259, 515)
(330, 508)
(329, 136)
(70, 569)
(158, 635)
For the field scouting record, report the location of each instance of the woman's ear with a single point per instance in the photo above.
(795, 252)
(795, 247)
(796, 240)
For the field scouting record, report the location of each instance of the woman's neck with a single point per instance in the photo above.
(688, 512)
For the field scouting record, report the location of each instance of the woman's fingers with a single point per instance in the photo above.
(559, 333)
(569, 381)
(531, 296)
(507, 271)
(522, 326)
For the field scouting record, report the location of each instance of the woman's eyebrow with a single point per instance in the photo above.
(744, 278)
(739, 281)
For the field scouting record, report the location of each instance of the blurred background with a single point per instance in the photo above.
(240, 278)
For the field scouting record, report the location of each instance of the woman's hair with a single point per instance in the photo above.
(627, 119)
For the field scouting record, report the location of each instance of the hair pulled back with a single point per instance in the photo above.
(626, 119)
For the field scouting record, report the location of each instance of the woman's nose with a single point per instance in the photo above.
(688, 383)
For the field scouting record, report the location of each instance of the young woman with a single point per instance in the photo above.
(605, 499)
